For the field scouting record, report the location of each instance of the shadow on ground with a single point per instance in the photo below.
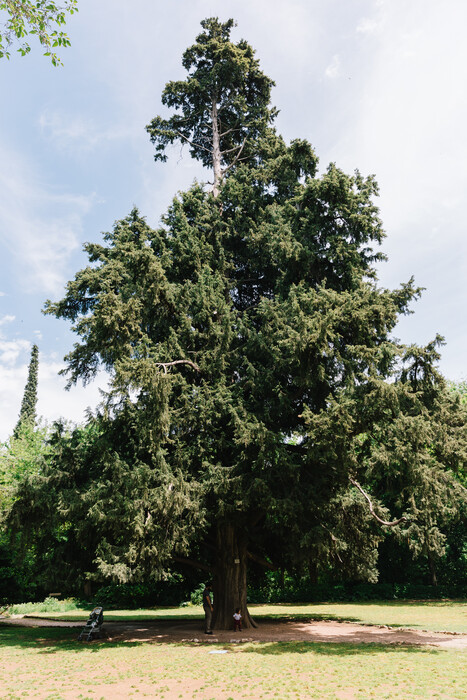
(271, 637)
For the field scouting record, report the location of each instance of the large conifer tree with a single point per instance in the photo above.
(259, 409)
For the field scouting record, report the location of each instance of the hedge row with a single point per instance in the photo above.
(131, 596)
(353, 592)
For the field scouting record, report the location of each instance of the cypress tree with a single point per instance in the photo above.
(27, 414)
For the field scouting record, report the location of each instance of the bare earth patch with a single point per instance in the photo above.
(267, 631)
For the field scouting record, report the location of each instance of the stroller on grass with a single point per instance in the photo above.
(92, 629)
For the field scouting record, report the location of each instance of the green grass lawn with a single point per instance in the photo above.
(437, 616)
(49, 663)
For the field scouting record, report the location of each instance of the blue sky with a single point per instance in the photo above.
(377, 85)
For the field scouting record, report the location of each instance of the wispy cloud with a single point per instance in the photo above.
(368, 25)
(41, 226)
(333, 69)
(79, 133)
(10, 351)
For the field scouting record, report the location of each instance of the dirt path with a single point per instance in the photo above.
(267, 631)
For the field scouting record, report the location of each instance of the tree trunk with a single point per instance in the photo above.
(216, 149)
(230, 581)
(431, 564)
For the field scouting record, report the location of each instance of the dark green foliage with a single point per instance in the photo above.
(172, 591)
(27, 414)
(18, 576)
(222, 108)
(116, 508)
(225, 75)
(298, 590)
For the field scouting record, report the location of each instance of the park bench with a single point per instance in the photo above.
(92, 628)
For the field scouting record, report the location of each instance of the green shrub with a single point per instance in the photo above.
(136, 595)
(47, 605)
(196, 597)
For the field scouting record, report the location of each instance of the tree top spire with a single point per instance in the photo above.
(223, 105)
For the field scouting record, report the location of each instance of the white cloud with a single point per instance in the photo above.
(368, 25)
(54, 401)
(333, 69)
(408, 128)
(78, 133)
(6, 319)
(10, 351)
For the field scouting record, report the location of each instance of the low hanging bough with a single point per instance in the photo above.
(386, 523)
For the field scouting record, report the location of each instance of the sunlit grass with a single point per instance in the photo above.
(49, 663)
(436, 616)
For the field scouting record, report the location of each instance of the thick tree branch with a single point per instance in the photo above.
(261, 561)
(234, 162)
(192, 562)
(237, 157)
(234, 148)
(224, 133)
(177, 362)
(376, 517)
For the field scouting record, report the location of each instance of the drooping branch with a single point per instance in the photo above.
(178, 362)
(372, 511)
(193, 562)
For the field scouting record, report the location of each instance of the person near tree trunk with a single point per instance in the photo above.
(207, 605)
(237, 620)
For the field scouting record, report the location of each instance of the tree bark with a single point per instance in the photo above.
(230, 581)
(432, 567)
(216, 149)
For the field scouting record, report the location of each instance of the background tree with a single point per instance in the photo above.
(259, 409)
(27, 414)
(21, 458)
(20, 18)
